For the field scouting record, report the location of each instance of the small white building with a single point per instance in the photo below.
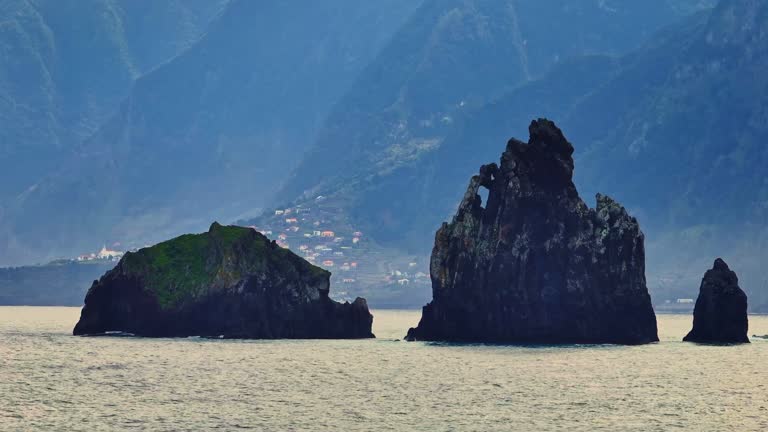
(105, 253)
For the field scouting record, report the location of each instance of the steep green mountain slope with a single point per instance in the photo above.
(64, 67)
(688, 151)
(453, 55)
(406, 118)
(385, 202)
(66, 64)
(676, 130)
(211, 132)
(386, 162)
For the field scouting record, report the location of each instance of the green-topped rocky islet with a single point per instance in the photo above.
(228, 282)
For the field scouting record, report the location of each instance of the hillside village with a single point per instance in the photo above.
(358, 266)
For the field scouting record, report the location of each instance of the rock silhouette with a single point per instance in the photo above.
(228, 282)
(535, 264)
(720, 315)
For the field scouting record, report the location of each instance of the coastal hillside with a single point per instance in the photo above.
(210, 132)
(65, 66)
(675, 127)
(432, 215)
(453, 56)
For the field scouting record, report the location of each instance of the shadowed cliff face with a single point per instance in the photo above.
(675, 128)
(534, 263)
(234, 112)
(404, 105)
(229, 282)
(720, 315)
(65, 65)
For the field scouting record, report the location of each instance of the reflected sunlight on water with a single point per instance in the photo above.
(50, 380)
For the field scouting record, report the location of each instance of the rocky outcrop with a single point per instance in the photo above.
(535, 264)
(720, 315)
(228, 282)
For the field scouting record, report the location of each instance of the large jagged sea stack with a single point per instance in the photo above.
(535, 264)
(228, 282)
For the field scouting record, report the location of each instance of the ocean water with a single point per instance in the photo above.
(52, 381)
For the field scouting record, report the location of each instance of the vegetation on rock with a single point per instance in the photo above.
(229, 281)
(192, 264)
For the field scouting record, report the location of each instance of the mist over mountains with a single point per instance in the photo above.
(68, 64)
(666, 127)
(384, 109)
(209, 133)
(65, 67)
(453, 56)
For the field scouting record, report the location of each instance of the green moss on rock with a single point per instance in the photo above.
(192, 265)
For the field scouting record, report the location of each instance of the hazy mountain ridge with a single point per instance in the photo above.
(64, 67)
(395, 131)
(396, 178)
(364, 149)
(693, 153)
(67, 64)
(452, 56)
(671, 129)
(233, 114)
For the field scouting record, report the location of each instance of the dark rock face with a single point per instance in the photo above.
(231, 282)
(720, 315)
(536, 265)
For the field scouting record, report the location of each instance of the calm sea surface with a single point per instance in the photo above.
(50, 380)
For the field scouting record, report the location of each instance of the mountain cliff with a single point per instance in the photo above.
(235, 112)
(230, 282)
(535, 264)
(65, 65)
(675, 127)
(453, 56)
